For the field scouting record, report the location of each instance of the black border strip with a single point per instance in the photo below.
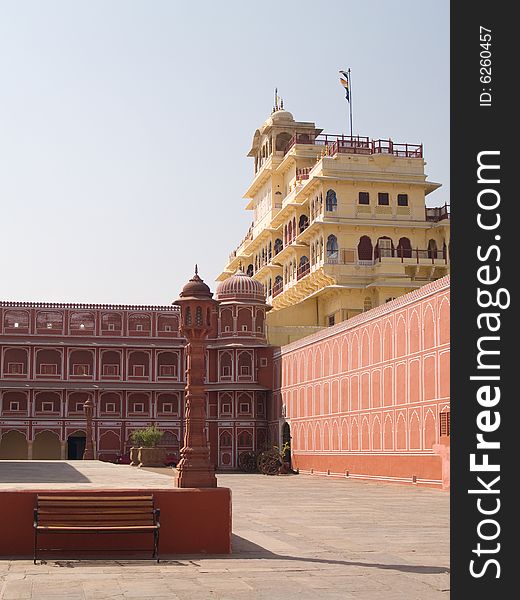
(476, 128)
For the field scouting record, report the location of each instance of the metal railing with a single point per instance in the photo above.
(303, 270)
(277, 288)
(350, 256)
(346, 144)
(437, 213)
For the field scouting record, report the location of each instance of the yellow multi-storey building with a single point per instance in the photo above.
(340, 225)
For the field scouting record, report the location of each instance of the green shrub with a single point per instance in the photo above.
(137, 438)
(146, 438)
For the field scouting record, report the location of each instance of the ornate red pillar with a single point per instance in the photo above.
(88, 454)
(194, 468)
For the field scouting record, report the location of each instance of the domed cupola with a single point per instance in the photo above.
(196, 288)
(240, 288)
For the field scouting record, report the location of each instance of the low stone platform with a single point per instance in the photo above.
(193, 520)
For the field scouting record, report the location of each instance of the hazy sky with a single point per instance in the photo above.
(125, 124)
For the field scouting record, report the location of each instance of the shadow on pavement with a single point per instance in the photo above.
(39, 471)
(243, 548)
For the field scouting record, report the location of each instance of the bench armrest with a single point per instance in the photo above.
(157, 513)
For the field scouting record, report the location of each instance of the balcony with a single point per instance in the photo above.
(437, 213)
(303, 270)
(248, 237)
(333, 144)
(302, 173)
(349, 256)
(277, 288)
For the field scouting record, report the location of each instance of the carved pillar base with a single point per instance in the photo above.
(194, 470)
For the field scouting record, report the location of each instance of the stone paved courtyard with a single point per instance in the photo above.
(295, 538)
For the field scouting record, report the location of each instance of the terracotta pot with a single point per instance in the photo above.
(134, 457)
(152, 457)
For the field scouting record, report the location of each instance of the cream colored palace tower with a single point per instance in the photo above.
(340, 225)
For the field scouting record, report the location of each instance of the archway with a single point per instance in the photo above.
(404, 248)
(46, 446)
(365, 248)
(13, 446)
(286, 439)
(76, 445)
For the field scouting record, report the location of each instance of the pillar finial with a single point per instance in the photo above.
(196, 269)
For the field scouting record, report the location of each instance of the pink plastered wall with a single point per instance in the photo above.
(364, 398)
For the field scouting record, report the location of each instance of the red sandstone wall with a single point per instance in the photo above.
(206, 530)
(365, 396)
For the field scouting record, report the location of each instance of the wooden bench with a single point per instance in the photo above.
(96, 514)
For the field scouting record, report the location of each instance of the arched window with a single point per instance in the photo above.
(303, 267)
(270, 252)
(278, 285)
(289, 232)
(249, 271)
(198, 317)
(188, 316)
(365, 248)
(331, 202)
(245, 440)
(432, 249)
(332, 247)
(226, 441)
(245, 365)
(226, 366)
(367, 305)
(282, 139)
(404, 248)
(384, 247)
(278, 245)
(303, 223)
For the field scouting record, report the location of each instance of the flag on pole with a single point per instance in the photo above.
(345, 82)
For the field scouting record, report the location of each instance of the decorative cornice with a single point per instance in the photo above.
(74, 305)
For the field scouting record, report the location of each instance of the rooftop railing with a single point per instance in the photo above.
(87, 306)
(356, 144)
(437, 213)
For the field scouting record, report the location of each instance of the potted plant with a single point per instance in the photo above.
(285, 455)
(149, 454)
(137, 442)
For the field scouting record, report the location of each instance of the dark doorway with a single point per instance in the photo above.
(76, 446)
(286, 439)
(365, 248)
(404, 248)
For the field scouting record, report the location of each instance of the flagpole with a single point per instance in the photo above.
(350, 99)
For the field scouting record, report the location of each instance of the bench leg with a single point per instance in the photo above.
(156, 545)
(35, 544)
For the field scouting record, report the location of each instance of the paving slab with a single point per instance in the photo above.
(295, 537)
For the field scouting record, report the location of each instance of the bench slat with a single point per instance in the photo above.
(94, 519)
(96, 528)
(100, 502)
(95, 524)
(102, 510)
(87, 498)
